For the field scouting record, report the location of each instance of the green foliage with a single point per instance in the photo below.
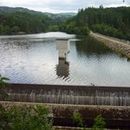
(107, 30)
(15, 29)
(24, 21)
(99, 123)
(77, 118)
(3, 84)
(109, 21)
(73, 27)
(17, 20)
(84, 30)
(25, 118)
(3, 81)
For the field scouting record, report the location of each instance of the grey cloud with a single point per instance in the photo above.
(62, 5)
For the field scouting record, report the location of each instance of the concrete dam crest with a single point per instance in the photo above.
(69, 94)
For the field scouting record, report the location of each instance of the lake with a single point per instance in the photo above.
(35, 59)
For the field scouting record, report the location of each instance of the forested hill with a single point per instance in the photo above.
(109, 21)
(22, 20)
(5, 9)
(13, 20)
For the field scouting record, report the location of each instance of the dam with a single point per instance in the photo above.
(69, 94)
(91, 78)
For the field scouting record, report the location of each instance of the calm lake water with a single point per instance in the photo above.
(34, 59)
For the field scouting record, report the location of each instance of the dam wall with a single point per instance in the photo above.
(120, 46)
(68, 94)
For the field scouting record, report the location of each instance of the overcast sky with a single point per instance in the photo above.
(56, 6)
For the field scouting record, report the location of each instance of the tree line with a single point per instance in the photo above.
(22, 20)
(12, 23)
(114, 22)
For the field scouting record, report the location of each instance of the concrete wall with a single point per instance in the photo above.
(65, 94)
(63, 47)
(115, 117)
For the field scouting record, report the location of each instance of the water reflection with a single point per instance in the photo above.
(62, 69)
(45, 61)
(89, 46)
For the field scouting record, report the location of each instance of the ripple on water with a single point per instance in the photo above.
(32, 59)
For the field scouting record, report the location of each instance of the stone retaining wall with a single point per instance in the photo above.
(115, 117)
(114, 44)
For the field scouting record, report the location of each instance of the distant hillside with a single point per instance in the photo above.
(5, 9)
(67, 15)
(14, 20)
